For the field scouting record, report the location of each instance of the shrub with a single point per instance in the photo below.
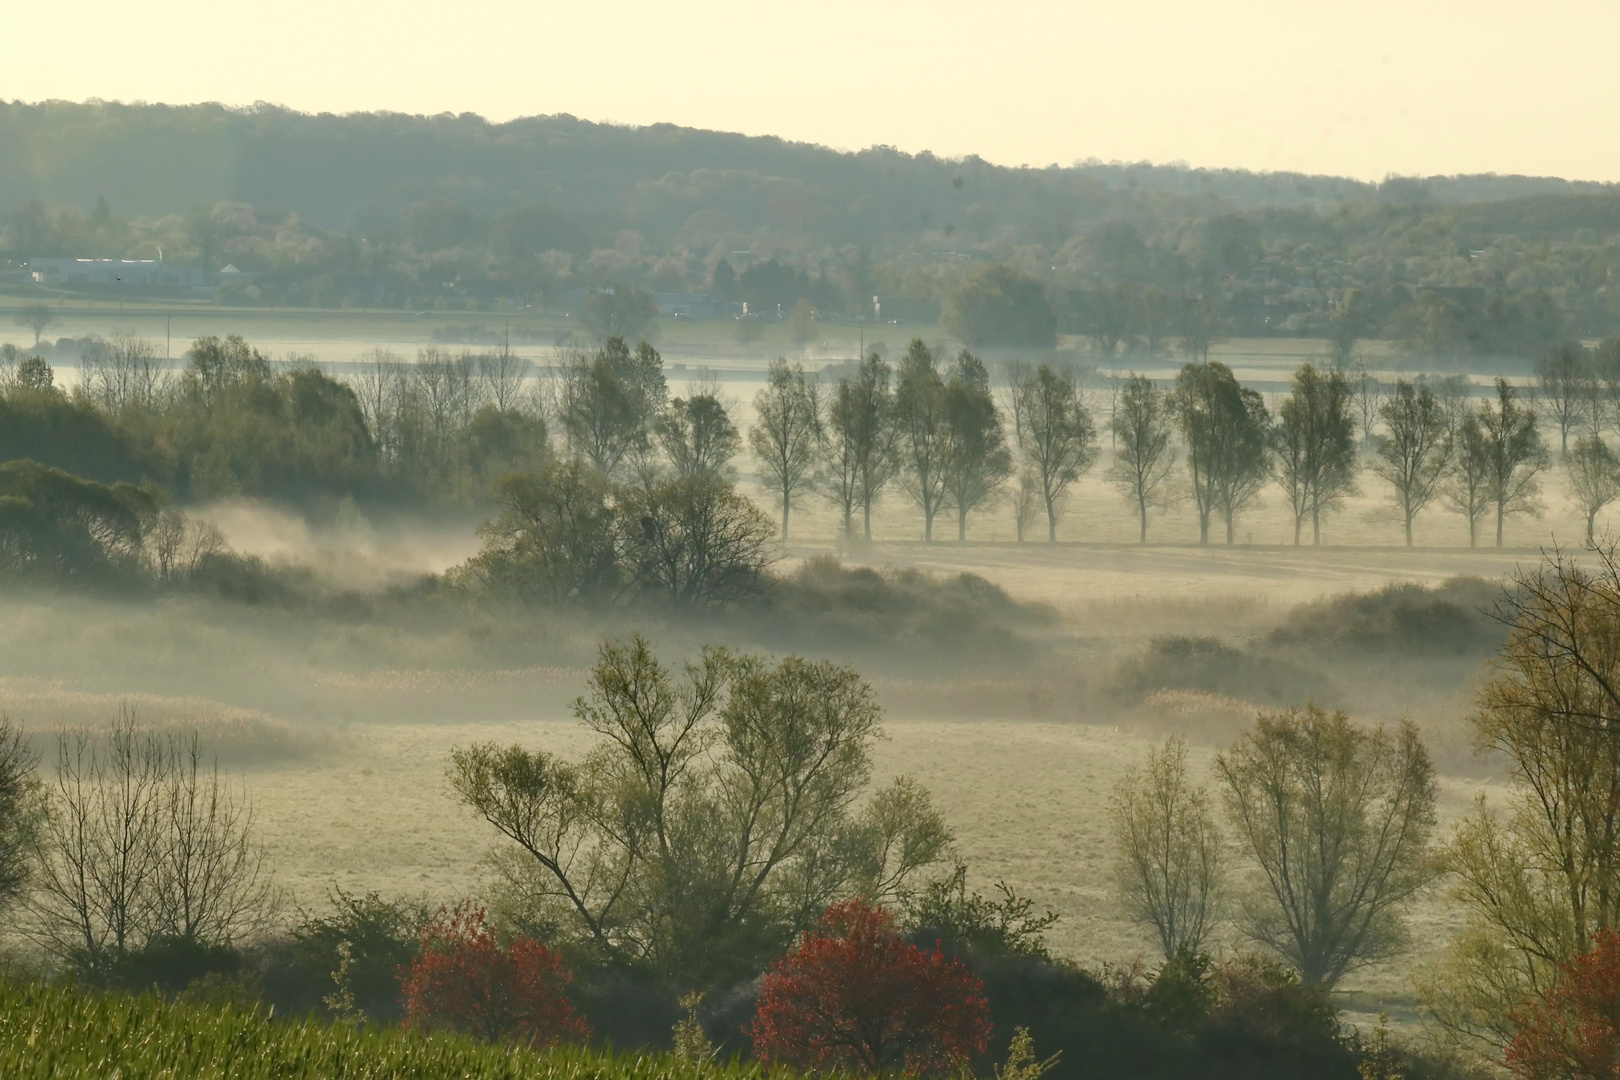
(1574, 1030)
(1176, 662)
(464, 981)
(854, 995)
(1450, 619)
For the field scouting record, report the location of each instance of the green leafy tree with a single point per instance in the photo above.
(698, 437)
(865, 430)
(1056, 437)
(1315, 447)
(1416, 454)
(1143, 426)
(997, 305)
(977, 460)
(1338, 819)
(557, 539)
(1167, 851)
(1594, 477)
(696, 542)
(1468, 488)
(922, 434)
(618, 312)
(1514, 455)
(715, 819)
(1224, 426)
(609, 400)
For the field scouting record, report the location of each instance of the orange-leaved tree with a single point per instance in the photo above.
(854, 995)
(1574, 1029)
(464, 980)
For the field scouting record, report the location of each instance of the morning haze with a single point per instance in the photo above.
(487, 592)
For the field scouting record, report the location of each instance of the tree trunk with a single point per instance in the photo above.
(1316, 525)
(1203, 528)
(961, 524)
(1299, 523)
(1499, 516)
(1051, 521)
(866, 514)
(1408, 528)
(1141, 513)
(787, 501)
(928, 525)
(1231, 526)
(1591, 520)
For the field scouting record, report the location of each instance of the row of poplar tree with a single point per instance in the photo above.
(941, 435)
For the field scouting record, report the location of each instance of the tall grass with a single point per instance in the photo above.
(55, 1032)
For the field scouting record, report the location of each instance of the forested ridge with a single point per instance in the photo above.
(388, 209)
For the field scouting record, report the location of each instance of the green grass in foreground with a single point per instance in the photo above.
(60, 1033)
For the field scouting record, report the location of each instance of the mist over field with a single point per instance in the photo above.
(666, 544)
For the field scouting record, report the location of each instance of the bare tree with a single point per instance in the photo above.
(1416, 454)
(143, 841)
(212, 883)
(787, 437)
(872, 432)
(503, 374)
(1594, 477)
(36, 317)
(122, 372)
(1366, 395)
(377, 385)
(177, 545)
(1565, 384)
(1026, 503)
(1167, 850)
(1143, 426)
(1338, 820)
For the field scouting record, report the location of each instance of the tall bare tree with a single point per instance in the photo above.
(1416, 454)
(1144, 457)
(787, 436)
(839, 476)
(1057, 439)
(122, 372)
(503, 374)
(37, 317)
(1338, 819)
(1565, 385)
(1167, 850)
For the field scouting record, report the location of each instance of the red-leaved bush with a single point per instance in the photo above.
(855, 996)
(464, 981)
(1574, 1031)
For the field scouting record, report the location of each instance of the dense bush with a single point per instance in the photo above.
(1453, 618)
(1177, 662)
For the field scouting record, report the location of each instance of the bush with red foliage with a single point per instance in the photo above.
(1574, 1030)
(465, 981)
(855, 996)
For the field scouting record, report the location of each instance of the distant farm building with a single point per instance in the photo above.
(144, 275)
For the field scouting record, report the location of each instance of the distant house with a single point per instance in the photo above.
(144, 275)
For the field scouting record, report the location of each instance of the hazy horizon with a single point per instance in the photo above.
(1449, 89)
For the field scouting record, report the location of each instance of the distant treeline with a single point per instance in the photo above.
(390, 210)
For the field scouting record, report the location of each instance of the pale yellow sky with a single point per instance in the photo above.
(1362, 89)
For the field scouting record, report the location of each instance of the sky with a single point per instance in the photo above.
(1367, 89)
